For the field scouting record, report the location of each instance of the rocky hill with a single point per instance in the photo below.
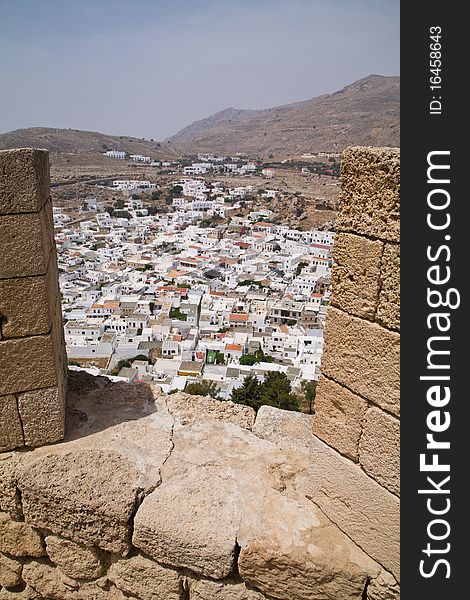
(363, 113)
(74, 141)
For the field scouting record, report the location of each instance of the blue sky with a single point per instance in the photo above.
(149, 67)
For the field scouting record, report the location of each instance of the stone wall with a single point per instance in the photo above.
(176, 497)
(357, 406)
(32, 349)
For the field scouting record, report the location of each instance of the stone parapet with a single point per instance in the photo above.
(32, 349)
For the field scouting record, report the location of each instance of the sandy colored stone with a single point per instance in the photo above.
(18, 538)
(10, 501)
(75, 560)
(370, 193)
(10, 571)
(52, 583)
(27, 304)
(24, 180)
(27, 364)
(383, 587)
(25, 244)
(363, 357)
(207, 589)
(191, 522)
(11, 433)
(388, 309)
(26, 594)
(42, 413)
(338, 417)
(355, 277)
(379, 448)
(145, 579)
(363, 509)
(188, 410)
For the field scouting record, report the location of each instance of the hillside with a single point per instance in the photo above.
(76, 142)
(363, 113)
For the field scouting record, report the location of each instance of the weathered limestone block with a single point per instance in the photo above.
(388, 309)
(51, 583)
(27, 364)
(290, 550)
(189, 410)
(25, 304)
(11, 432)
(9, 496)
(207, 589)
(363, 509)
(145, 579)
(26, 594)
(42, 413)
(10, 571)
(355, 276)
(363, 357)
(26, 243)
(383, 587)
(379, 448)
(338, 417)
(18, 538)
(24, 180)
(85, 495)
(191, 522)
(370, 197)
(75, 560)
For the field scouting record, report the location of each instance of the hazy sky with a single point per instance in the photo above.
(149, 67)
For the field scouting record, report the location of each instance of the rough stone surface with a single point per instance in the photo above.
(24, 180)
(189, 410)
(24, 305)
(355, 276)
(42, 414)
(18, 538)
(10, 571)
(9, 497)
(363, 357)
(370, 197)
(383, 587)
(25, 594)
(51, 583)
(379, 448)
(338, 417)
(206, 589)
(388, 310)
(27, 364)
(145, 579)
(25, 247)
(75, 560)
(363, 509)
(11, 432)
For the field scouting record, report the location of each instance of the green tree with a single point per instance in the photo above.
(276, 391)
(203, 388)
(308, 392)
(249, 393)
(175, 190)
(121, 364)
(175, 313)
(119, 204)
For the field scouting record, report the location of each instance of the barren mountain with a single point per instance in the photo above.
(363, 113)
(76, 142)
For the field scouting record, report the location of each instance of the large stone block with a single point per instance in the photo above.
(25, 306)
(367, 512)
(11, 433)
(388, 309)
(356, 274)
(364, 357)
(379, 448)
(146, 579)
(24, 180)
(42, 413)
(10, 501)
(370, 197)
(207, 589)
(26, 242)
(75, 560)
(10, 571)
(27, 364)
(338, 417)
(17, 538)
